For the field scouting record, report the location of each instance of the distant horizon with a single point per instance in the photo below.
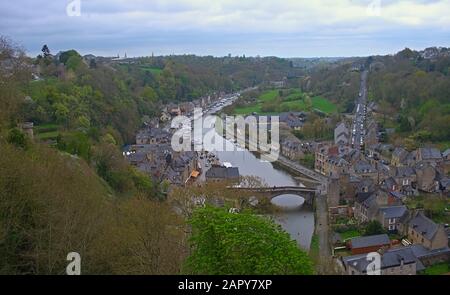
(288, 29)
(122, 54)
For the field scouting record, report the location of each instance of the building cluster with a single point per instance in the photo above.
(426, 245)
(381, 168)
(375, 184)
(153, 155)
(187, 108)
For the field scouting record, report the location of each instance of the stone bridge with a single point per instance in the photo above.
(272, 192)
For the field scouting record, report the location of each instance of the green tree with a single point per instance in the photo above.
(17, 138)
(236, 244)
(74, 62)
(374, 227)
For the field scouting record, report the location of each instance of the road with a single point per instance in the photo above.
(325, 264)
(302, 169)
(359, 123)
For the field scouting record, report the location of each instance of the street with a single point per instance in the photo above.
(358, 127)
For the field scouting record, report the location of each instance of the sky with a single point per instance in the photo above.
(285, 28)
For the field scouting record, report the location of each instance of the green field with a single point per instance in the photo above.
(293, 101)
(154, 71)
(438, 269)
(47, 131)
(350, 234)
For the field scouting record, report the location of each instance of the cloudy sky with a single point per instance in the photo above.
(287, 28)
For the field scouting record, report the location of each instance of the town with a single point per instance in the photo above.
(185, 138)
(362, 179)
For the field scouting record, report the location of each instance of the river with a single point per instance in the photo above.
(296, 219)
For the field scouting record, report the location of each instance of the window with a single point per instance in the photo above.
(391, 227)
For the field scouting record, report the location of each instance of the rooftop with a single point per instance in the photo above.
(223, 172)
(420, 223)
(393, 211)
(362, 242)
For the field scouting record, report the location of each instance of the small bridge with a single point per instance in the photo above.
(272, 192)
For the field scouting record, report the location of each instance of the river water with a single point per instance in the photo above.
(296, 219)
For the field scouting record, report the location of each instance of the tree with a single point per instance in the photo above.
(374, 227)
(45, 51)
(224, 243)
(66, 55)
(17, 138)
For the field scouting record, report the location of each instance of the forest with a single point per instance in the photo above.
(415, 92)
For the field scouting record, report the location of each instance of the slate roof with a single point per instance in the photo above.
(292, 119)
(400, 153)
(341, 129)
(430, 153)
(389, 183)
(391, 258)
(424, 225)
(364, 167)
(446, 153)
(404, 171)
(397, 195)
(361, 197)
(363, 242)
(421, 252)
(223, 173)
(393, 211)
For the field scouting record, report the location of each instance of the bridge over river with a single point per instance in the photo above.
(272, 192)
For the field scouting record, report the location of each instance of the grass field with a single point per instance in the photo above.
(438, 269)
(47, 131)
(292, 102)
(350, 234)
(154, 71)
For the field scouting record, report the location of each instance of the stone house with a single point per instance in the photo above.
(361, 245)
(399, 157)
(334, 165)
(406, 178)
(401, 261)
(390, 184)
(341, 134)
(293, 120)
(426, 177)
(429, 155)
(292, 148)
(217, 174)
(150, 136)
(322, 154)
(364, 169)
(422, 230)
(365, 207)
(391, 217)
